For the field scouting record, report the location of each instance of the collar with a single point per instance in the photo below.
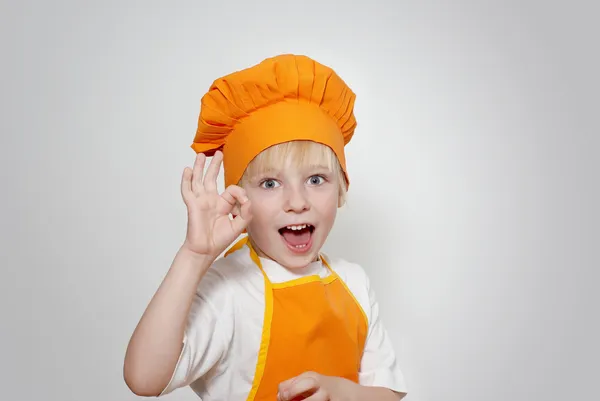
(278, 274)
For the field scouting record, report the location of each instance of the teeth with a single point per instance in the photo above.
(296, 227)
(300, 246)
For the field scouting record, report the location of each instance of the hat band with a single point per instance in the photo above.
(275, 124)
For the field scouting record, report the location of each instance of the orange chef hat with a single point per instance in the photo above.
(281, 99)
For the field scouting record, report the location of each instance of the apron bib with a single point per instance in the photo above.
(310, 324)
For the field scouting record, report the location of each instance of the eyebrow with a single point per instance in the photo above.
(264, 173)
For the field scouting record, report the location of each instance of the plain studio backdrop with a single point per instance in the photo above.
(474, 195)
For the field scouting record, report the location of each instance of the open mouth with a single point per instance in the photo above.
(298, 237)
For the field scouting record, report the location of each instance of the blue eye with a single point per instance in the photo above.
(269, 184)
(316, 180)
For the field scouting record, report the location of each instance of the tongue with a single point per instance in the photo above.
(297, 237)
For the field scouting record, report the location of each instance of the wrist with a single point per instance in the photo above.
(189, 250)
(195, 259)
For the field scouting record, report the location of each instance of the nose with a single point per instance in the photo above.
(296, 200)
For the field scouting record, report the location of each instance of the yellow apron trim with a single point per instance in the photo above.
(268, 318)
(304, 280)
(237, 246)
(333, 273)
(264, 342)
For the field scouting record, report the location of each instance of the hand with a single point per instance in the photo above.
(209, 229)
(311, 386)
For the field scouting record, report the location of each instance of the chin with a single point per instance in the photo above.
(295, 259)
(295, 262)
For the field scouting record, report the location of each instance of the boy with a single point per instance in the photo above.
(274, 319)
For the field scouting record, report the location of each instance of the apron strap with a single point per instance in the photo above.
(239, 245)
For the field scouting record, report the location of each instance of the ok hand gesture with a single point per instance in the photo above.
(209, 229)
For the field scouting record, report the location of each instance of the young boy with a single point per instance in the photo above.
(274, 319)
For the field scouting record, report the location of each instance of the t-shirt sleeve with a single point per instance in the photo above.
(379, 365)
(208, 331)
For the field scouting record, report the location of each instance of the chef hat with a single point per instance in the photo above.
(283, 98)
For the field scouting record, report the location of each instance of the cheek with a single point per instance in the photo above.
(327, 204)
(258, 197)
(331, 196)
(264, 208)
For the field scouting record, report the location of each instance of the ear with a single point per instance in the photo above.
(341, 199)
(342, 189)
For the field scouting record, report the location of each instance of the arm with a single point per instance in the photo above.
(156, 343)
(379, 365)
(158, 340)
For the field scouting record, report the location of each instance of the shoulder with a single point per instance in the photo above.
(348, 271)
(231, 267)
(224, 276)
(235, 273)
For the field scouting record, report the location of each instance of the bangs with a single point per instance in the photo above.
(298, 153)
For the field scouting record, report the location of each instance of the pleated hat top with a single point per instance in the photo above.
(283, 98)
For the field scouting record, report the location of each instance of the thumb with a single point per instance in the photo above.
(236, 210)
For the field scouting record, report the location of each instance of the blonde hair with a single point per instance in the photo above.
(298, 153)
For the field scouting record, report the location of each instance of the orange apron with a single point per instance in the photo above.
(310, 324)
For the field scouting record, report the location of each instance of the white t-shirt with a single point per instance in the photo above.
(224, 328)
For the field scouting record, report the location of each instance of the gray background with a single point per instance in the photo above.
(472, 207)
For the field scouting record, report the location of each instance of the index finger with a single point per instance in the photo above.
(304, 387)
(232, 196)
(287, 382)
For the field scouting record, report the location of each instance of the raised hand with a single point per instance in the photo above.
(209, 229)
